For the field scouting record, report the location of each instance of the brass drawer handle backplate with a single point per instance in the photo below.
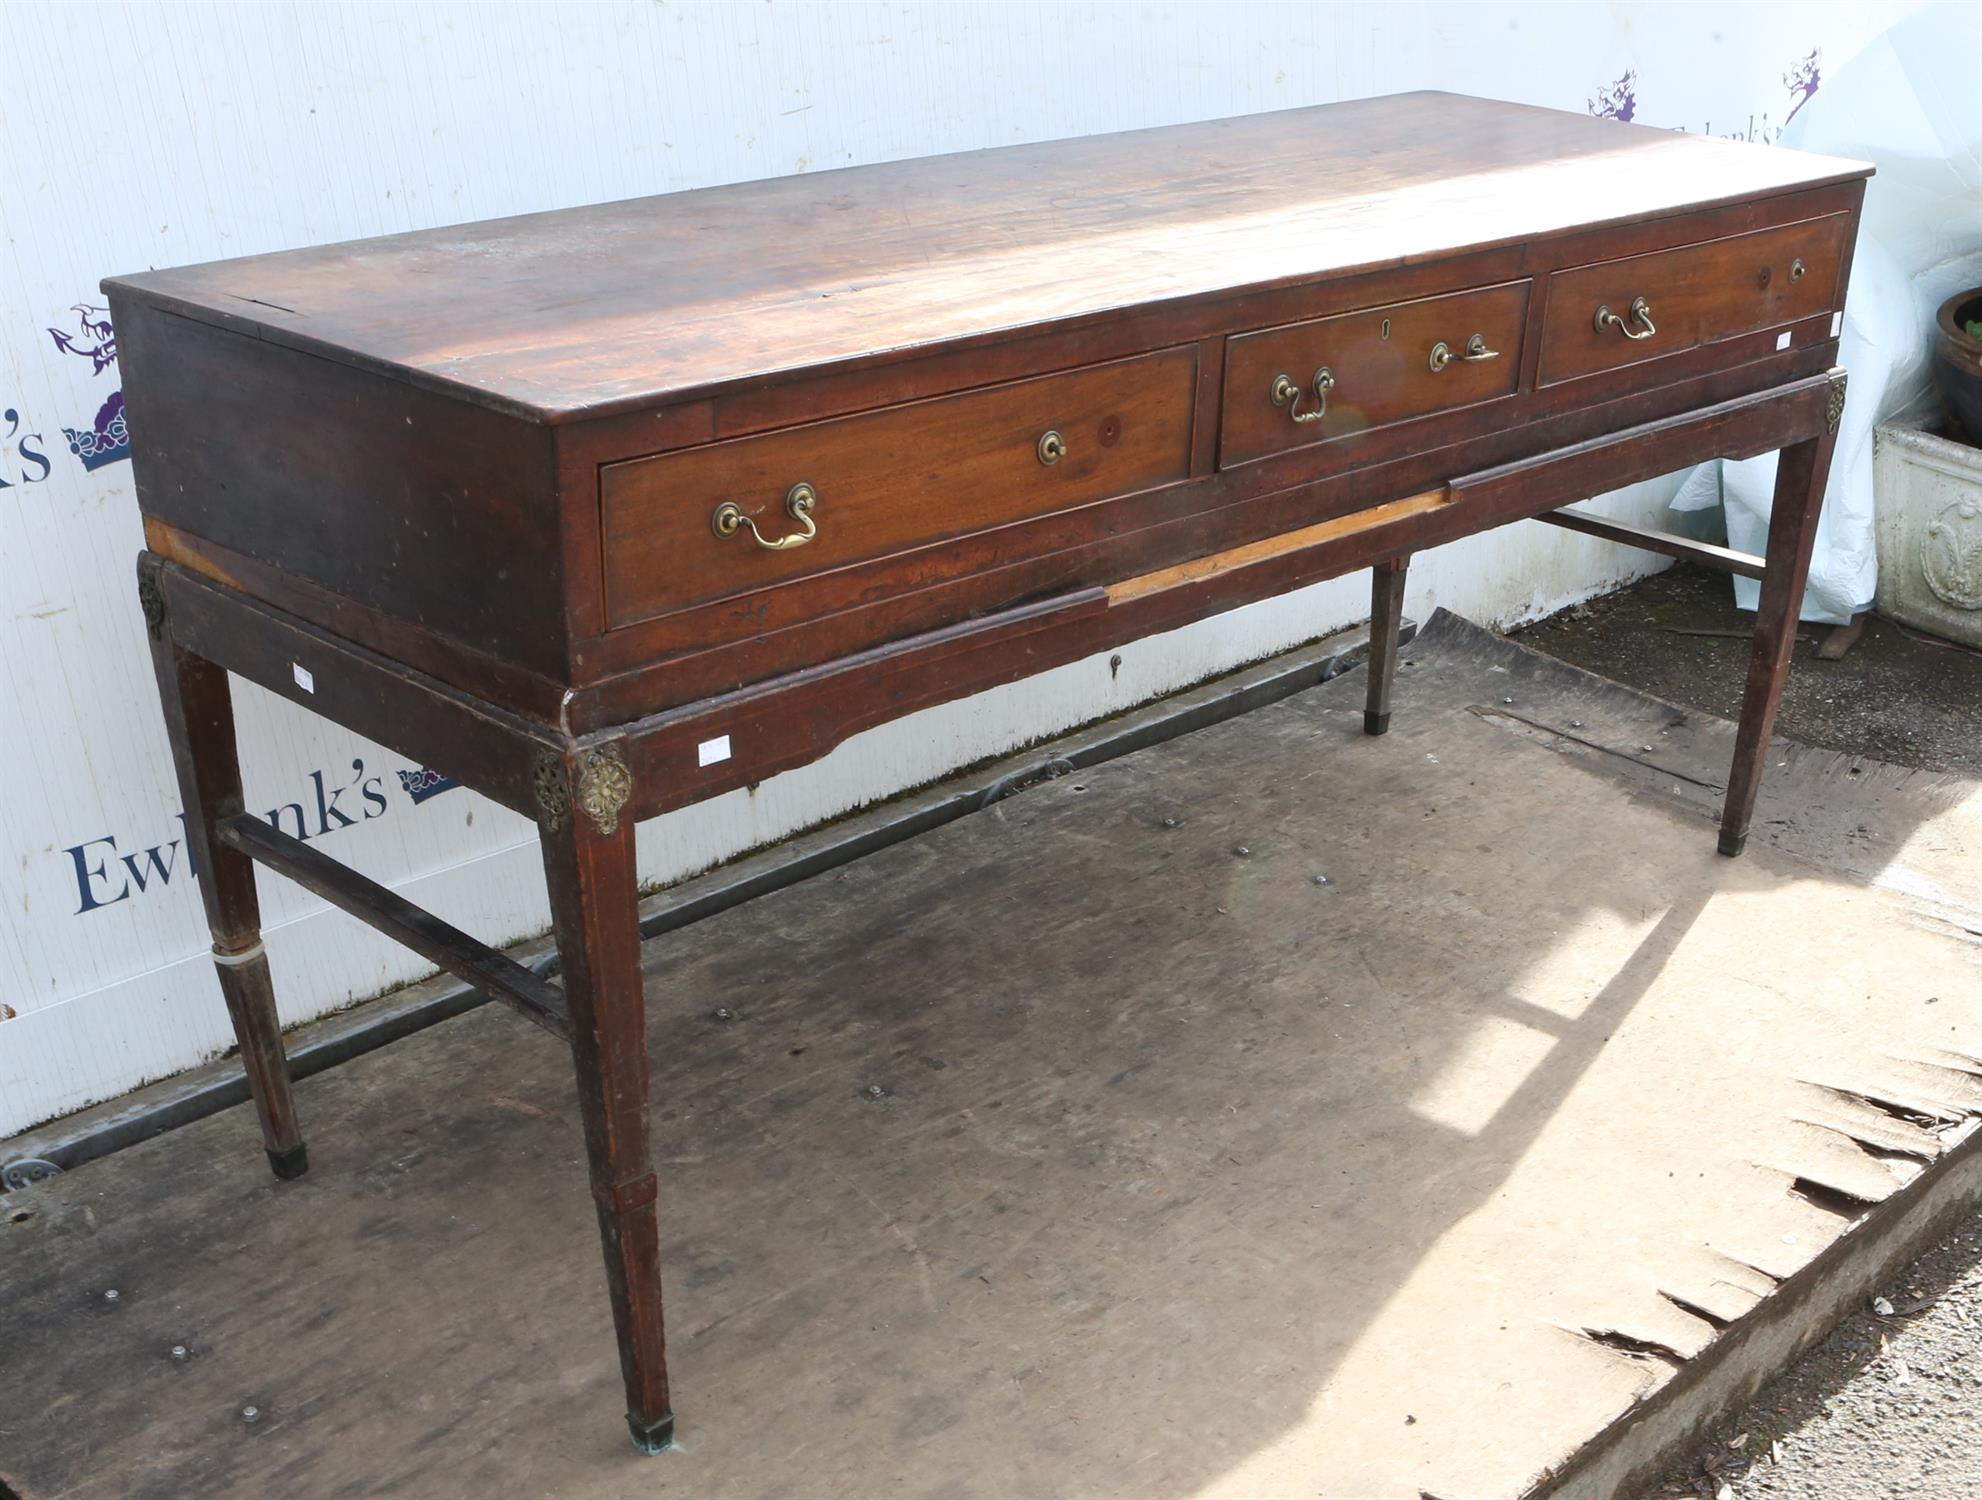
(1287, 394)
(1475, 351)
(1052, 447)
(729, 518)
(1641, 312)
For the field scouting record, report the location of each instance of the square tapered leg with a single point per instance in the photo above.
(1386, 624)
(199, 722)
(1801, 474)
(589, 864)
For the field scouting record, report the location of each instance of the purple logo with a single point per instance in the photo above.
(1802, 81)
(106, 442)
(1618, 101)
(424, 783)
(93, 339)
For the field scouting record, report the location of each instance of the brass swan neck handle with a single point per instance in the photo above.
(729, 519)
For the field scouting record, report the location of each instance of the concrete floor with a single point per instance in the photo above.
(1271, 1112)
(1891, 1404)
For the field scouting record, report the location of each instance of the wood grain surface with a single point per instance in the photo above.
(1699, 294)
(1380, 360)
(890, 480)
(607, 307)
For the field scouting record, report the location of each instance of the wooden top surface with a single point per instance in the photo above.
(588, 310)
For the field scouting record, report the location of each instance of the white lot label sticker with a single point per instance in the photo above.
(303, 678)
(1837, 324)
(1782, 339)
(711, 751)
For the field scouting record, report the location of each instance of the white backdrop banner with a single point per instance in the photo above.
(174, 132)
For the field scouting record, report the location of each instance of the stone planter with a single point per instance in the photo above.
(1927, 493)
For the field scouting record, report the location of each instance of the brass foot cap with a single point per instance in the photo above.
(290, 1164)
(652, 1437)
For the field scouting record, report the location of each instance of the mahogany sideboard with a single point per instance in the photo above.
(608, 510)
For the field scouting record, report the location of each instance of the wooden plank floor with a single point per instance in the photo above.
(1272, 1112)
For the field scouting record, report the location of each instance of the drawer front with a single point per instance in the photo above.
(887, 481)
(1383, 365)
(1621, 312)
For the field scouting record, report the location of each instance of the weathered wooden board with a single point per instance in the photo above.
(1190, 1176)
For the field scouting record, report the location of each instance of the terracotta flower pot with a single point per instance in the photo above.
(1958, 364)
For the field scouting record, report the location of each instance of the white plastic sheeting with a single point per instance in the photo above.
(1909, 103)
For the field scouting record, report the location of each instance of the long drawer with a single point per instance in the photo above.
(687, 528)
(1330, 378)
(1622, 312)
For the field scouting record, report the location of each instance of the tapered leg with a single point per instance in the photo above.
(199, 721)
(1386, 622)
(588, 861)
(1799, 498)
